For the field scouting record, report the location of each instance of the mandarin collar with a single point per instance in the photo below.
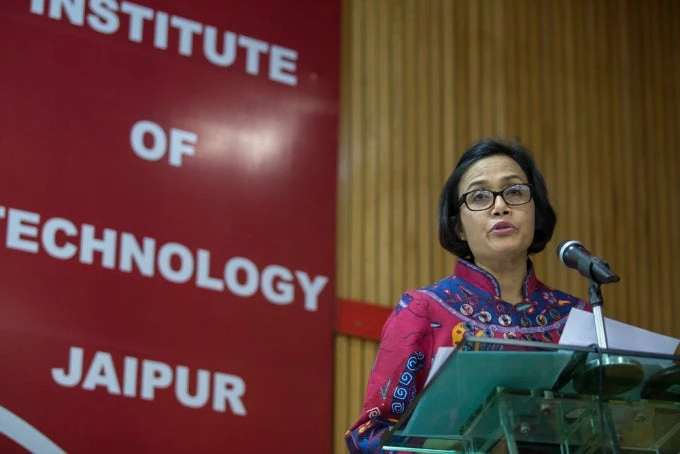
(480, 278)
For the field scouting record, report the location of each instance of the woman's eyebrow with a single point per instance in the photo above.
(479, 182)
(482, 181)
(513, 176)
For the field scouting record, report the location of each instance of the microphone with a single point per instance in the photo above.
(574, 255)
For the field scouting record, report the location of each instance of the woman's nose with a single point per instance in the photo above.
(499, 206)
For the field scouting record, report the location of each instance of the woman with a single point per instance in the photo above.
(494, 212)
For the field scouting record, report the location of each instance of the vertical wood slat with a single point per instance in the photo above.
(341, 386)
(341, 393)
(464, 115)
(397, 224)
(423, 154)
(665, 323)
(559, 92)
(590, 87)
(449, 122)
(356, 171)
(603, 132)
(434, 131)
(484, 50)
(569, 228)
(540, 96)
(606, 152)
(617, 28)
(650, 139)
(384, 148)
(636, 81)
(473, 73)
(368, 167)
(409, 264)
(626, 152)
(670, 37)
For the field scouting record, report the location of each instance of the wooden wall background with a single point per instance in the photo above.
(591, 87)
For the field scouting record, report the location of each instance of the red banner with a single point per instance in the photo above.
(167, 205)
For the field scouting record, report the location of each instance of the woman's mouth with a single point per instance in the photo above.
(503, 228)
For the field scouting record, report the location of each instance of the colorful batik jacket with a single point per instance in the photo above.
(468, 301)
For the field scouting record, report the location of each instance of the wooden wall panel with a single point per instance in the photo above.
(591, 87)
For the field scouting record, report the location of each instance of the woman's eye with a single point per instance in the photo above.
(480, 195)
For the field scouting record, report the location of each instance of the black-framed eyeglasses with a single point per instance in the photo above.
(483, 199)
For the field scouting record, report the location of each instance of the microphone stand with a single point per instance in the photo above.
(607, 375)
(596, 302)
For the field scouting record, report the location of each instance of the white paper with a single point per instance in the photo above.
(439, 358)
(580, 330)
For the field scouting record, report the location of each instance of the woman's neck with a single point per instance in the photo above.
(510, 276)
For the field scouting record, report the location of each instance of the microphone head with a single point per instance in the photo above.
(564, 246)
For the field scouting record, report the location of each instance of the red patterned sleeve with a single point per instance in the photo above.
(399, 372)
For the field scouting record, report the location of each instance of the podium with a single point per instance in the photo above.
(497, 396)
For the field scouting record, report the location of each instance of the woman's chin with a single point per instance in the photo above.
(509, 249)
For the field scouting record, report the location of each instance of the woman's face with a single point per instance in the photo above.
(501, 232)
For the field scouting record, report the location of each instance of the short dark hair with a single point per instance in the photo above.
(545, 218)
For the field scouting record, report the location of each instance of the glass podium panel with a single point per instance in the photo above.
(495, 395)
